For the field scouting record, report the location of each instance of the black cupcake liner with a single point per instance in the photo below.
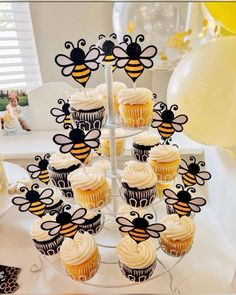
(58, 207)
(93, 225)
(87, 120)
(50, 247)
(138, 197)
(137, 275)
(141, 152)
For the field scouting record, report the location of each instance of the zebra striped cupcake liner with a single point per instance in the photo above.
(50, 247)
(91, 227)
(138, 198)
(137, 275)
(140, 155)
(87, 120)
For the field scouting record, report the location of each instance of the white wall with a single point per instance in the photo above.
(55, 23)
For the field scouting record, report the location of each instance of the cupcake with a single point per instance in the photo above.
(90, 187)
(142, 144)
(105, 143)
(93, 223)
(138, 184)
(88, 108)
(57, 202)
(136, 106)
(80, 256)
(45, 244)
(161, 186)
(177, 239)
(60, 166)
(165, 160)
(102, 164)
(117, 87)
(137, 261)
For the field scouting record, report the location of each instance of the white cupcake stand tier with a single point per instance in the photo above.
(109, 236)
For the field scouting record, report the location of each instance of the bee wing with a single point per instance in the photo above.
(178, 122)
(64, 141)
(200, 180)
(90, 59)
(154, 229)
(35, 170)
(122, 56)
(52, 226)
(183, 168)
(195, 203)
(65, 62)
(149, 52)
(204, 175)
(77, 216)
(45, 196)
(59, 114)
(157, 120)
(91, 138)
(171, 197)
(124, 221)
(22, 202)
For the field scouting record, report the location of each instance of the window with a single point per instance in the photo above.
(19, 67)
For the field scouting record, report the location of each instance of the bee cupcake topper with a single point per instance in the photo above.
(139, 229)
(40, 170)
(62, 114)
(165, 121)
(78, 143)
(191, 172)
(66, 224)
(182, 202)
(132, 57)
(33, 201)
(79, 64)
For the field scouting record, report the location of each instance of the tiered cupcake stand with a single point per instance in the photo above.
(109, 274)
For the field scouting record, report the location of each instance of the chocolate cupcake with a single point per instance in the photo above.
(142, 144)
(60, 166)
(138, 184)
(93, 223)
(137, 262)
(87, 110)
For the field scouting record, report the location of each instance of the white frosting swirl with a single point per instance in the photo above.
(178, 228)
(136, 256)
(117, 86)
(62, 161)
(164, 153)
(135, 96)
(87, 178)
(90, 100)
(146, 139)
(102, 164)
(124, 211)
(139, 175)
(78, 250)
(37, 233)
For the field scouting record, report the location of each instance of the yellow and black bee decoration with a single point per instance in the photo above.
(66, 224)
(182, 202)
(78, 143)
(165, 121)
(139, 229)
(62, 115)
(106, 45)
(132, 57)
(80, 64)
(191, 173)
(34, 202)
(40, 171)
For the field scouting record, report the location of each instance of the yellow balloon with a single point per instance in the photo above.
(203, 85)
(225, 13)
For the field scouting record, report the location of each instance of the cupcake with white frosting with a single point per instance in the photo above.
(117, 87)
(60, 166)
(136, 106)
(142, 143)
(87, 110)
(102, 164)
(80, 256)
(93, 223)
(177, 238)
(138, 184)
(165, 160)
(90, 187)
(137, 261)
(104, 147)
(45, 244)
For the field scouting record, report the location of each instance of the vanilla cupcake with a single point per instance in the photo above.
(88, 108)
(93, 223)
(136, 106)
(105, 143)
(137, 261)
(142, 143)
(138, 184)
(45, 244)
(102, 164)
(117, 87)
(165, 160)
(161, 186)
(177, 239)
(80, 256)
(90, 187)
(59, 167)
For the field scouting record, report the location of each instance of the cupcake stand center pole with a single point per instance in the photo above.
(112, 132)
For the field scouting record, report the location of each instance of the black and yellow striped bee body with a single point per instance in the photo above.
(139, 235)
(134, 68)
(69, 230)
(110, 59)
(81, 74)
(182, 208)
(189, 179)
(44, 176)
(80, 151)
(37, 208)
(166, 130)
(68, 119)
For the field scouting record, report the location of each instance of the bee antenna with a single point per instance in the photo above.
(202, 163)
(34, 186)
(68, 126)
(139, 38)
(192, 158)
(69, 44)
(179, 186)
(53, 212)
(154, 95)
(46, 156)
(184, 162)
(176, 145)
(66, 207)
(113, 35)
(81, 42)
(148, 216)
(101, 36)
(37, 158)
(191, 189)
(127, 39)
(24, 189)
(60, 101)
(161, 106)
(174, 107)
(133, 213)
